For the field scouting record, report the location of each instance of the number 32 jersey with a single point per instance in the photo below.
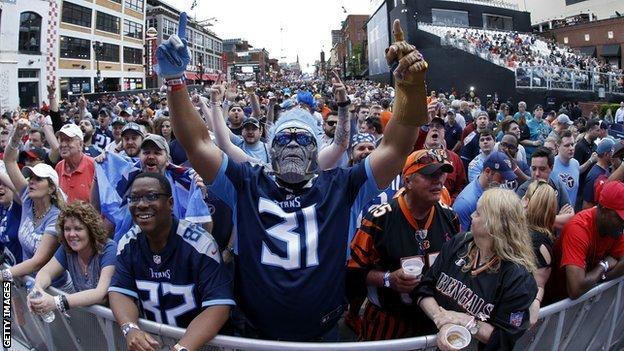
(291, 246)
(174, 285)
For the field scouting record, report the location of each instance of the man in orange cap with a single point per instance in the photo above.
(591, 246)
(413, 225)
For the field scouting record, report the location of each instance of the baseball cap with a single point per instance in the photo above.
(251, 120)
(427, 162)
(617, 148)
(564, 119)
(158, 140)
(72, 131)
(612, 197)
(605, 145)
(362, 138)
(437, 120)
(104, 112)
(41, 170)
(127, 111)
(604, 124)
(119, 120)
(35, 152)
(132, 127)
(499, 162)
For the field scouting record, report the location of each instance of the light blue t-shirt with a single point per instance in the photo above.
(82, 282)
(476, 166)
(568, 175)
(258, 150)
(466, 203)
(539, 131)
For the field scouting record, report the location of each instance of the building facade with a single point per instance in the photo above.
(205, 47)
(246, 62)
(28, 51)
(545, 11)
(101, 46)
(603, 39)
(349, 45)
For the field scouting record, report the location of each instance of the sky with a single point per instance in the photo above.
(306, 25)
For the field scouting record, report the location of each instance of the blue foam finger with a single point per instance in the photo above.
(182, 25)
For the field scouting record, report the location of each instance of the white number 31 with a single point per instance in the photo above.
(284, 231)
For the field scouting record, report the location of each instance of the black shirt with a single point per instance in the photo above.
(502, 297)
(538, 239)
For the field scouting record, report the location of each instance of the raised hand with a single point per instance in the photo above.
(340, 92)
(173, 55)
(412, 66)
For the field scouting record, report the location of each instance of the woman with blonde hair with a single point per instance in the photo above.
(482, 279)
(37, 189)
(540, 203)
(86, 253)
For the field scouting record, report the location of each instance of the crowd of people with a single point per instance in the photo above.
(278, 209)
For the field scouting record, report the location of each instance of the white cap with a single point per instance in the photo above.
(72, 131)
(41, 170)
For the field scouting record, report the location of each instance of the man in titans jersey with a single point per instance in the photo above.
(172, 267)
(292, 223)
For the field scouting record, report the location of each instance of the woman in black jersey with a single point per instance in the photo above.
(540, 203)
(483, 279)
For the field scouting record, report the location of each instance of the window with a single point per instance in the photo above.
(169, 28)
(449, 17)
(565, 40)
(133, 29)
(132, 55)
(107, 23)
(30, 33)
(27, 73)
(76, 14)
(133, 83)
(497, 22)
(109, 52)
(136, 5)
(75, 48)
(610, 34)
(586, 37)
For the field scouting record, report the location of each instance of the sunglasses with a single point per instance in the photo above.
(432, 156)
(284, 138)
(135, 199)
(331, 123)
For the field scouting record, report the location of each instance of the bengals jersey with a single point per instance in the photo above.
(500, 298)
(388, 234)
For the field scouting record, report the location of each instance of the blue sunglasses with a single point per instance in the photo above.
(284, 138)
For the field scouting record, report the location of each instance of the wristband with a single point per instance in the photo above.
(344, 103)
(386, 279)
(175, 84)
(178, 347)
(605, 265)
(59, 303)
(65, 302)
(126, 327)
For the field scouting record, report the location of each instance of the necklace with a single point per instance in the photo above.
(38, 218)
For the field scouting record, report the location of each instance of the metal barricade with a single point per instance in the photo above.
(558, 78)
(592, 322)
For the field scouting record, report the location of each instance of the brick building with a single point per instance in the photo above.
(349, 49)
(244, 61)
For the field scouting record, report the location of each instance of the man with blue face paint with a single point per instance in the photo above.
(292, 222)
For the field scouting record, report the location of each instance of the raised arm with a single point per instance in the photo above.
(330, 156)
(11, 154)
(223, 134)
(173, 57)
(255, 103)
(410, 109)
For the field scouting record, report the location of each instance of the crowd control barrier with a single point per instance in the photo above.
(593, 322)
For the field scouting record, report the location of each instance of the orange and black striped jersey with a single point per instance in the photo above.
(388, 234)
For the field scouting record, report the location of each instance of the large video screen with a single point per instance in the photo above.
(378, 41)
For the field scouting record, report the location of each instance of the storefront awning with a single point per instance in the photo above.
(611, 50)
(588, 50)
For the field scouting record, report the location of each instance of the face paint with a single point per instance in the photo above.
(294, 163)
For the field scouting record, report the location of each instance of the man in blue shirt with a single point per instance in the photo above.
(567, 169)
(292, 222)
(497, 171)
(172, 267)
(601, 168)
(538, 129)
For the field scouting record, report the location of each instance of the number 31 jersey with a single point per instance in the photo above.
(291, 245)
(177, 283)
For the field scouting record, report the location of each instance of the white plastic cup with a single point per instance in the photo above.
(458, 337)
(412, 266)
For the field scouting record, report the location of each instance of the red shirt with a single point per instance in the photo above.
(580, 245)
(77, 184)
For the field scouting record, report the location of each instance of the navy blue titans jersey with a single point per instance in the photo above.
(291, 246)
(176, 284)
